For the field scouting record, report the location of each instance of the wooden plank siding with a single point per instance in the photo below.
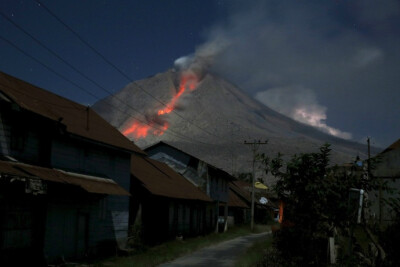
(86, 158)
(64, 235)
(165, 219)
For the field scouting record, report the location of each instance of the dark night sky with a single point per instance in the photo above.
(332, 64)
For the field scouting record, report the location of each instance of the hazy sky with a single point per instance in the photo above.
(332, 64)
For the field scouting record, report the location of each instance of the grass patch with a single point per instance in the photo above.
(173, 249)
(254, 254)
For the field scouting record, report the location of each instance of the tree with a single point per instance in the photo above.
(318, 206)
(315, 198)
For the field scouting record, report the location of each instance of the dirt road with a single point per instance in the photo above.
(223, 254)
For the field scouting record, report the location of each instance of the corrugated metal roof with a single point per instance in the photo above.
(88, 183)
(159, 179)
(78, 119)
(95, 184)
(235, 201)
(221, 171)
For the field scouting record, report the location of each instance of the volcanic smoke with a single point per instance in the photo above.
(157, 124)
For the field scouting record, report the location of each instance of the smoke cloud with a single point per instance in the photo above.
(202, 60)
(300, 104)
(343, 53)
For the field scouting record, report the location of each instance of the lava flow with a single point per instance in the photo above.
(158, 125)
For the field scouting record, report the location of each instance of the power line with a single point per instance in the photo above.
(65, 62)
(71, 66)
(93, 95)
(45, 66)
(114, 66)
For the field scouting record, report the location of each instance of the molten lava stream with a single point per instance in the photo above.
(140, 130)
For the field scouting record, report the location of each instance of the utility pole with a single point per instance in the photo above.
(254, 147)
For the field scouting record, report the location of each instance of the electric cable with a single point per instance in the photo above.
(40, 4)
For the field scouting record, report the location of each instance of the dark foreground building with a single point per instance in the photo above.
(64, 178)
(165, 204)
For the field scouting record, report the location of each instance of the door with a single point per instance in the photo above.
(82, 235)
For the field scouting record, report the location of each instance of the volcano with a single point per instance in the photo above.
(211, 121)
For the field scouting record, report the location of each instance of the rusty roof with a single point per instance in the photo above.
(159, 179)
(88, 183)
(78, 119)
(235, 201)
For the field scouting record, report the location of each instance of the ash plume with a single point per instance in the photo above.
(266, 47)
(203, 59)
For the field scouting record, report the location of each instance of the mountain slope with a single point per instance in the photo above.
(218, 117)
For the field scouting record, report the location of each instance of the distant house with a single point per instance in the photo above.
(388, 171)
(165, 203)
(265, 203)
(64, 177)
(210, 179)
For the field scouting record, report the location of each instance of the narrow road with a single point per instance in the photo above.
(223, 254)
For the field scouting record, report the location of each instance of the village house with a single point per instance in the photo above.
(265, 204)
(164, 204)
(211, 180)
(387, 171)
(64, 177)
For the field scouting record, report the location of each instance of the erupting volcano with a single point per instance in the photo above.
(216, 119)
(156, 123)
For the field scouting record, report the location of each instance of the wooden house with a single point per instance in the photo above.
(387, 170)
(165, 204)
(64, 177)
(210, 179)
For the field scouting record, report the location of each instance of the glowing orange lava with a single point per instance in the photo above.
(188, 82)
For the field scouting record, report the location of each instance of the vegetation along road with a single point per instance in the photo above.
(222, 254)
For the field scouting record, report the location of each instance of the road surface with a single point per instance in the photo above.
(222, 255)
